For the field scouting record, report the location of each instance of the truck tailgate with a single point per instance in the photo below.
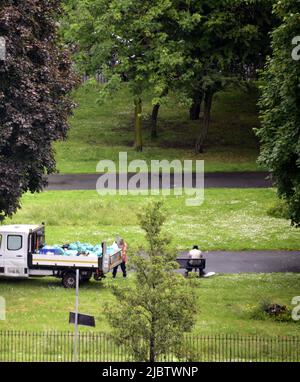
(115, 259)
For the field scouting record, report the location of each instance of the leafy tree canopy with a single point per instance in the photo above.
(280, 112)
(190, 47)
(35, 79)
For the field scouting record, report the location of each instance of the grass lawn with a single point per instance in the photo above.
(225, 303)
(229, 219)
(101, 132)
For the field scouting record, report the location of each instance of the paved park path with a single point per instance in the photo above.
(250, 261)
(212, 180)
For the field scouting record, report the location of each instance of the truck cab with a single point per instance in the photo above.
(16, 241)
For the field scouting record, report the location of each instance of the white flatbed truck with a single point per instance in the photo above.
(19, 257)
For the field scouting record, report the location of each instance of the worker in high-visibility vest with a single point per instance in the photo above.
(123, 245)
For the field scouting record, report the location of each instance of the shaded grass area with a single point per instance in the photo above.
(225, 303)
(102, 131)
(229, 219)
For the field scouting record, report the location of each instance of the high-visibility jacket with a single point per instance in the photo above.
(124, 252)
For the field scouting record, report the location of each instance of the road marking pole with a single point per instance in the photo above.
(76, 317)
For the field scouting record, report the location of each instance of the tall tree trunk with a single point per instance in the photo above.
(154, 120)
(152, 356)
(195, 111)
(208, 97)
(196, 108)
(154, 115)
(138, 124)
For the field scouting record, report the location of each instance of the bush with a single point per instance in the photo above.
(268, 310)
(259, 312)
(279, 210)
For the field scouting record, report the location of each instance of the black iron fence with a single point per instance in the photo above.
(18, 346)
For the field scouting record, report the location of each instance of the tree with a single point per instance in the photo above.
(123, 39)
(194, 49)
(141, 41)
(35, 79)
(279, 109)
(225, 42)
(152, 315)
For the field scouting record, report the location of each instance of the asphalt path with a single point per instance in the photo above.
(211, 180)
(249, 261)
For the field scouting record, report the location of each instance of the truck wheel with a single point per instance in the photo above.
(69, 280)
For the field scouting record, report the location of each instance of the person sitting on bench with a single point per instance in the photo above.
(195, 260)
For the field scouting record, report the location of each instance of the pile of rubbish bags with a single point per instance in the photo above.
(78, 249)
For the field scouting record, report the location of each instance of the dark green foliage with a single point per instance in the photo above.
(267, 310)
(35, 79)
(225, 42)
(280, 112)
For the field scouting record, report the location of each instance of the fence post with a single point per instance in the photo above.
(76, 317)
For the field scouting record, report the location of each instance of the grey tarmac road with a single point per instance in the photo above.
(249, 261)
(211, 180)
